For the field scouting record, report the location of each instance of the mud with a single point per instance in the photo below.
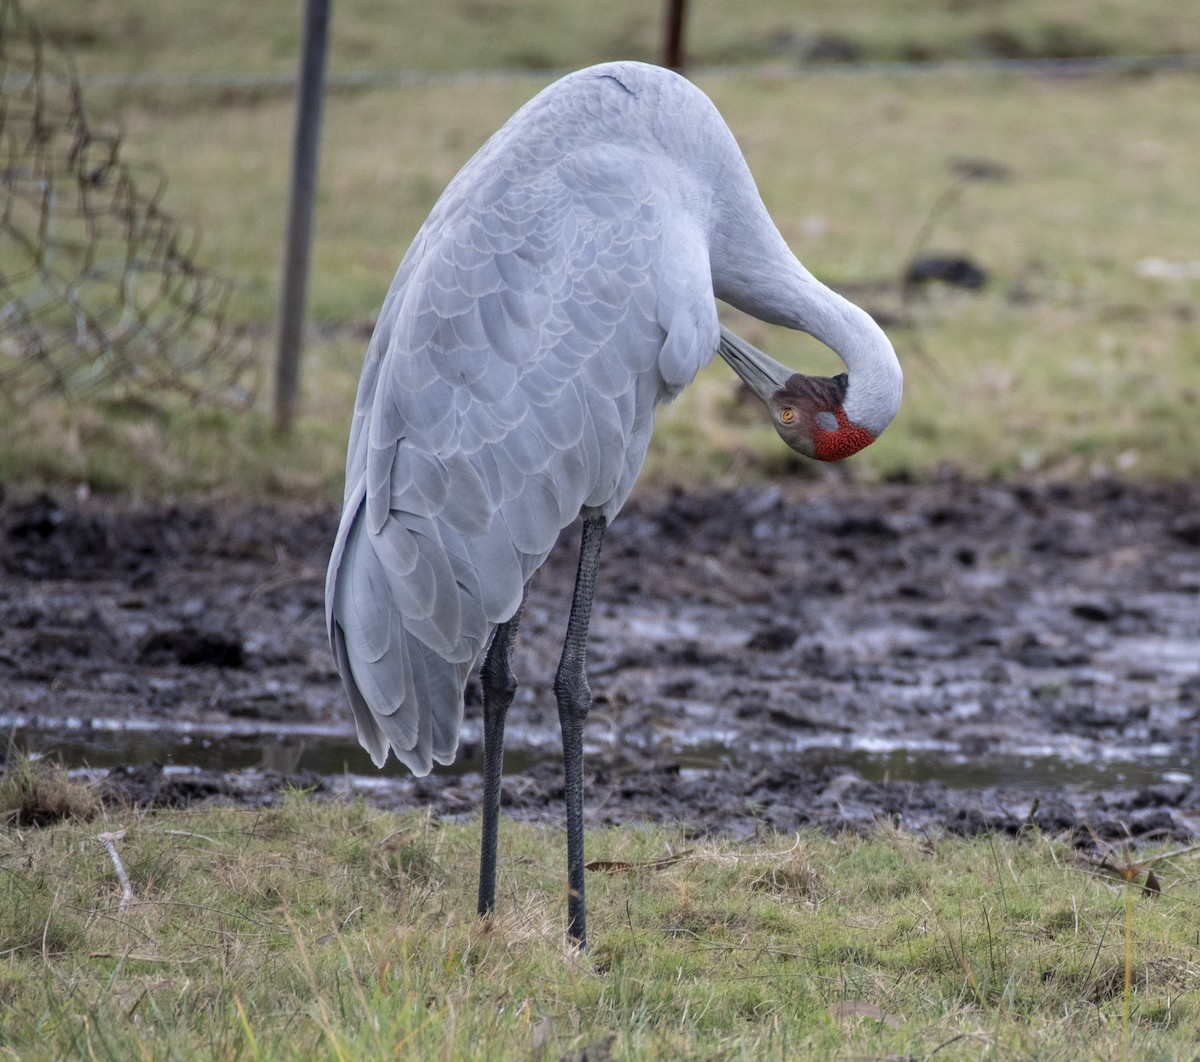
(956, 656)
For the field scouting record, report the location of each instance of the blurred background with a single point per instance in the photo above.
(1010, 187)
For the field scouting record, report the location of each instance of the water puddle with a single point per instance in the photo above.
(96, 746)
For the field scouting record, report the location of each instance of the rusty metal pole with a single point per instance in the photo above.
(301, 200)
(673, 44)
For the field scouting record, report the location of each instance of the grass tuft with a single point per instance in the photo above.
(37, 793)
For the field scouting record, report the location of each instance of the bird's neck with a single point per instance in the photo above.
(875, 381)
(760, 275)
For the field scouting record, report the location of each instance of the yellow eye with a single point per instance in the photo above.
(787, 415)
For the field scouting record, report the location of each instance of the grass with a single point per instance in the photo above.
(116, 36)
(316, 930)
(1069, 362)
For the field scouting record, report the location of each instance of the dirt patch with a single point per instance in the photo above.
(752, 653)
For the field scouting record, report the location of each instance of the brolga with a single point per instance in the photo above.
(563, 286)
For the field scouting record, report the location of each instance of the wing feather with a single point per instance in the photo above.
(531, 516)
(546, 306)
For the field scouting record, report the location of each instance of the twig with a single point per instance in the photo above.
(109, 841)
(945, 198)
(619, 866)
(190, 833)
(981, 1037)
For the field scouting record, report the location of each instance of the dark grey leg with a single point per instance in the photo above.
(499, 684)
(574, 699)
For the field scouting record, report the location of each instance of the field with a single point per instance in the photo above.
(1079, 354)
(309, 931)
(1009, 578)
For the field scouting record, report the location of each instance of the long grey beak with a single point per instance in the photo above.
(762, 373)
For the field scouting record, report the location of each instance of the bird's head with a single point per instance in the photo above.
(807, 411)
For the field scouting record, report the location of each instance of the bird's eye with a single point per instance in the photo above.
(787, 415)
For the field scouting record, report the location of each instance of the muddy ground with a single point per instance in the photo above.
(955, 655)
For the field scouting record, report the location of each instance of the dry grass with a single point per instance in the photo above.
(309, 930)
(34, 794)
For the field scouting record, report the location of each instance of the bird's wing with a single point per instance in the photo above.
(510, 384)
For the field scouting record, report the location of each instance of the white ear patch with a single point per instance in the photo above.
(827, 421)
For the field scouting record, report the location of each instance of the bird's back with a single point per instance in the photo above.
(559, 290)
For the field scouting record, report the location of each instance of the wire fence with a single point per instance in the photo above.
(100, 290)
(271, 81)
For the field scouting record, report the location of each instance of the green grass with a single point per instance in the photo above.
(1068, 363)
(310, 930)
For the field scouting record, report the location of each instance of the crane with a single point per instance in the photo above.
(562, 287)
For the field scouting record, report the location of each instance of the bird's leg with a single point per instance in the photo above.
(498, 684)
(574, 699)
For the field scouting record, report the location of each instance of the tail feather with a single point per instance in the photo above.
(370, 736)
(405, 673)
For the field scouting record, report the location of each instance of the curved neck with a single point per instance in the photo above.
(754, 269)
(875, 379)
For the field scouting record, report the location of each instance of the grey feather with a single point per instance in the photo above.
(370, 735)
(503, 575)
(532, 515)
(468, 507)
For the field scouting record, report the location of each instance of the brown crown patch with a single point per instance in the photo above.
(818, 394)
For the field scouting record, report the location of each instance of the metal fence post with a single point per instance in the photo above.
(300, 210)
(673, 57)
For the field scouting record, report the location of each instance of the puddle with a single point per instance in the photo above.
(99, 745)
(331, 752)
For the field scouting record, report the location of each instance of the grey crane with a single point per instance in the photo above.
(564, 285)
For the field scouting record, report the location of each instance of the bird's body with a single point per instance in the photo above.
(562, 287)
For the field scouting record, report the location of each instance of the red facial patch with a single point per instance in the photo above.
(848, 439)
